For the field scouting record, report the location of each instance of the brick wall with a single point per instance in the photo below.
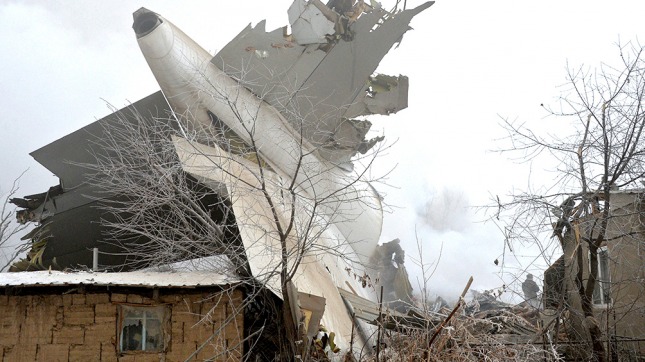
(82, 326)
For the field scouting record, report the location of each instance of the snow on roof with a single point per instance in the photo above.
(130, 279)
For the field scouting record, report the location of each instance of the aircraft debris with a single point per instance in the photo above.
(388, 260)
(311, 22)
(301, 94)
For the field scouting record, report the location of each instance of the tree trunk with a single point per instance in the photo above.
(583, 323)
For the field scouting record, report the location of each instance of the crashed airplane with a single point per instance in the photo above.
(296, 99)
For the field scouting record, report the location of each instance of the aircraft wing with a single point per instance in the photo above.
(69, 213)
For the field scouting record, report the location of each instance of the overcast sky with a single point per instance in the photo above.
(469, 62)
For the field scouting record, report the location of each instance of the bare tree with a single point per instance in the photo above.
(604, 152)
(9, 229)
(173, 191)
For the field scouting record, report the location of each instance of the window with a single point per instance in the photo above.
(601, 293)
(142, 328)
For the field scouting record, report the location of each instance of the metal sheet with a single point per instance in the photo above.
(131, 279)
(314, 86)
(59, 156)
(323, 268)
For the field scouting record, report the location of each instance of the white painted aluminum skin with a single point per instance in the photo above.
(320, 272)
(193, 86)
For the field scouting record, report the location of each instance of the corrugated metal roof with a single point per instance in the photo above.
(129, 279)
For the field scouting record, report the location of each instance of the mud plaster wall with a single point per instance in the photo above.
(83, 326)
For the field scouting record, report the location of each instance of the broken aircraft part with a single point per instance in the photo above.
(194, 86)
(319, 88)
(309, 24)
(313, 83)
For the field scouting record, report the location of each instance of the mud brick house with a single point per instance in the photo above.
(619, 293)
(133, 316)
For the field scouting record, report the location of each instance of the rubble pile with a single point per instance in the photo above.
(484, 328)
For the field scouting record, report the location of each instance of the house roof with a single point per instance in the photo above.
(129, 279)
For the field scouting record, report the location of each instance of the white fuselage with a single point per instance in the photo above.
(193, 86)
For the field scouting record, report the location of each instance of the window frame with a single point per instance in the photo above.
(163, 313)
(602, 289)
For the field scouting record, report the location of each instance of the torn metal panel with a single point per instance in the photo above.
(319, 273)
(308, 23)
(63, 156)
(385, 95)
(316, 87)
(313, 308)
(197, 98)
(277, 74)
(368, 311)
(34, 201)
(69, 213)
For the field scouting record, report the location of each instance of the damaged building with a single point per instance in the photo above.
(618, 298)
(290, 107)
(143, 316)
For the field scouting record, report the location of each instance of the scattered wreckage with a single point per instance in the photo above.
(314, 84)
(296, 98)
